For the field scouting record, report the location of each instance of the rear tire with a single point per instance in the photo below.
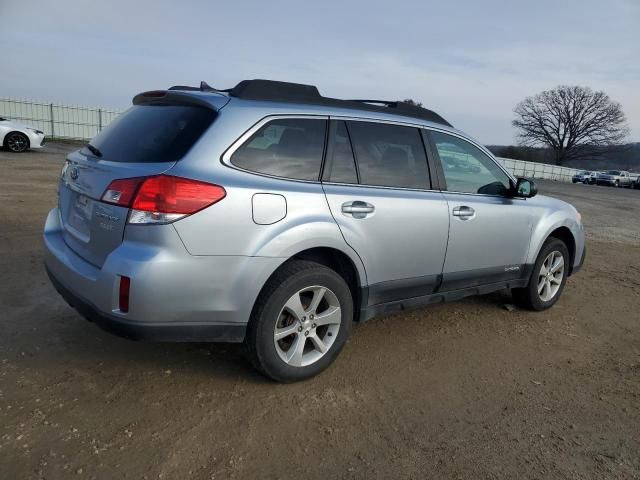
(16, 142)
(300, 322)
(548, 277)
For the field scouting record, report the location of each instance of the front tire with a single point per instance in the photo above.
(300, 322)
(548, 277)
(16, 142)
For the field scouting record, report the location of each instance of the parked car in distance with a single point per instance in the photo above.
(615, 178)
(18, 138)
(450, 162)
(271, 215)
(592, 178)
(584, 176)
(635, 180)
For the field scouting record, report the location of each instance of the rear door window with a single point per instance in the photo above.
(288, 147)
(389, 155)
(343, 166)
(152, 133)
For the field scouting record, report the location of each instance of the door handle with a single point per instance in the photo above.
(357, 209)
(464, 212)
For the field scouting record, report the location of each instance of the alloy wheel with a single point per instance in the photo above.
(550, 276)
(17, 142)
(307, 326)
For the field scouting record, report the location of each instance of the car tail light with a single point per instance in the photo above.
(121, 192)
(162, 198)
(123, 297)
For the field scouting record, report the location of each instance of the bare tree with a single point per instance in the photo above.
(572, 121)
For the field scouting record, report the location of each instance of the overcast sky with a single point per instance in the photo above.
(469, 60)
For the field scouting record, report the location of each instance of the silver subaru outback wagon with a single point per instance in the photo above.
(271, 215)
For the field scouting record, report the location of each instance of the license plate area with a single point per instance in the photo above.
(79, 220)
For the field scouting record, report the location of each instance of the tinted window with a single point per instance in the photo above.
(389, 155)
(468, 169)
(147, 133)
(343, 167)
(290, 148)
(613, 172)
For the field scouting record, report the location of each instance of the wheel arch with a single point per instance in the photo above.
(337, 260)
(561, 232)
(6, 135)
(564, 234)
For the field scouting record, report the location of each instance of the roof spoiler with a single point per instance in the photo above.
(176, 97)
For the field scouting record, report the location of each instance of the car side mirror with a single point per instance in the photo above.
(525, 188)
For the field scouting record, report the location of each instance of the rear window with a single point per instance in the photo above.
(289, 148)
(152, 133)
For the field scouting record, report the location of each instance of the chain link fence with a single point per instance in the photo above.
(58, 121)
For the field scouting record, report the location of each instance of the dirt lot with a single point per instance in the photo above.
(464, 390)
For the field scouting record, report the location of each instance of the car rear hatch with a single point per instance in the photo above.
(146, 140)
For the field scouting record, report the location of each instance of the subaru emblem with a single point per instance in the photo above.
(74, 173)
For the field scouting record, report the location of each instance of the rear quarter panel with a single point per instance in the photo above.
(228, 227)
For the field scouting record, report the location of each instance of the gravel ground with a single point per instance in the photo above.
(463, 390)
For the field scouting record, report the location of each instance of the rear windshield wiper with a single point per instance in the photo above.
(94, 150)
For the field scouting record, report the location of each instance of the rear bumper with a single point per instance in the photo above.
(174, 296)
(150, 332)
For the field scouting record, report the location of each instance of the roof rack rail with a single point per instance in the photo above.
(272, 90)
(388, 103)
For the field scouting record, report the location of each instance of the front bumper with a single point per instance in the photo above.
(174, 296)
(601, 181)
(576, 268)
(36, 140)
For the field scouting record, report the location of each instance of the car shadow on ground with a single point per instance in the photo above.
(82, 345)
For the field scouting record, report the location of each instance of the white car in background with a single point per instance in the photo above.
(16, 137)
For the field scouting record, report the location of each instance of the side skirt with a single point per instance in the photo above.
(371, 311)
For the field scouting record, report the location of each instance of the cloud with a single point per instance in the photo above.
(470, 61)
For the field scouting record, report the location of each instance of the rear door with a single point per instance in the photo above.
(145, 140)
(381, 199)
(490, 231)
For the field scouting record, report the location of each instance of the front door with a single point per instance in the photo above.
(381, 201)
(489, 231)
